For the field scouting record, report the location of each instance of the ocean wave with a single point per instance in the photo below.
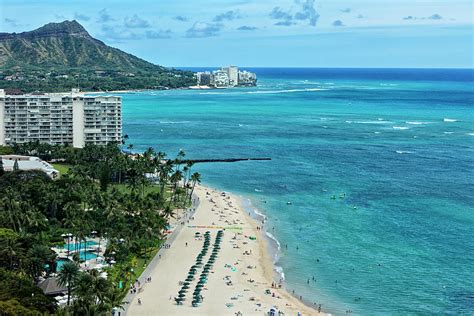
(284, 91)
(418, 123)
(280, 272)
(448, 120)
(175, 122)
(368, 122)
(400, 127)
(470, 134)
(404, 152)
(258, 190)
(307, 82)
(277, 243)
(448, 132)
(263, 91)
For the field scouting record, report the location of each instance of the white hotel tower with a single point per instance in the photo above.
(60, 118)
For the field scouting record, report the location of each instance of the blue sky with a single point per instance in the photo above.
(264, 33)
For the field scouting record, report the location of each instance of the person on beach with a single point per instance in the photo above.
(139, 301)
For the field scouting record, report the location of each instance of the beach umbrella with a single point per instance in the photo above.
(185, 287)
(185, 283)
(181, 295)
(182, 291)
(189, 279)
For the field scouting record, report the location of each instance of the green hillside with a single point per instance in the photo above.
(60, 56)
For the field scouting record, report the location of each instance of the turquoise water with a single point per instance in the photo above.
(398, 144)
(75, 246)
(60, 263)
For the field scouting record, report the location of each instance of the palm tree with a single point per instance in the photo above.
(195, 178)
(12, 206)
(67, 276)
(2, 170)
(10, 248)
(38, 256)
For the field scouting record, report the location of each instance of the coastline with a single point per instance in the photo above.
(245, 261)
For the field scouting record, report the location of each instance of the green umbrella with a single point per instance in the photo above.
(181, 295)
(182, 291)
(185, 287)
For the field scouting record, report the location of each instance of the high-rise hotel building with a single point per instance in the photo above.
(60, 118)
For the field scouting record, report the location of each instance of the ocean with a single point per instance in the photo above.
(378, 165)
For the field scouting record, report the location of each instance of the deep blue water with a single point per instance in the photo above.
(398, 143)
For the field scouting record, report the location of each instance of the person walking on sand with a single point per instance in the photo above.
(139, 301)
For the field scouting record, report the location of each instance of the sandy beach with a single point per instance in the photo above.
(241, 278)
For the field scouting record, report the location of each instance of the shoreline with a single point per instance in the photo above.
(273, 249)
(241, 281)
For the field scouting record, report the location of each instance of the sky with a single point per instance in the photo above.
(268, 33)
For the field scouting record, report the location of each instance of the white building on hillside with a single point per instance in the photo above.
(60, 118)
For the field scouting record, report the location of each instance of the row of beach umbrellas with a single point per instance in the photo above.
(197, 297)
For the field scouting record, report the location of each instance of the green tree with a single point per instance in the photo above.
(2, 170)
(16, 167)
(195, 178)
(67, 276)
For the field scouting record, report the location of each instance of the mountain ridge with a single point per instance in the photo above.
(66, 49)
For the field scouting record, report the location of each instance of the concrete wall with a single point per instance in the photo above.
(78, 140)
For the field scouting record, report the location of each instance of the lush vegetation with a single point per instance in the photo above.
(61, 56)
(102, 190)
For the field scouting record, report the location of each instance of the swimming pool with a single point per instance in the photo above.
(74, 246)
(87, 256)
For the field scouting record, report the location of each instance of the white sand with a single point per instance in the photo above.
(243, 296)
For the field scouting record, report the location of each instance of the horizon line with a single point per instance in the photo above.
(316, 67)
